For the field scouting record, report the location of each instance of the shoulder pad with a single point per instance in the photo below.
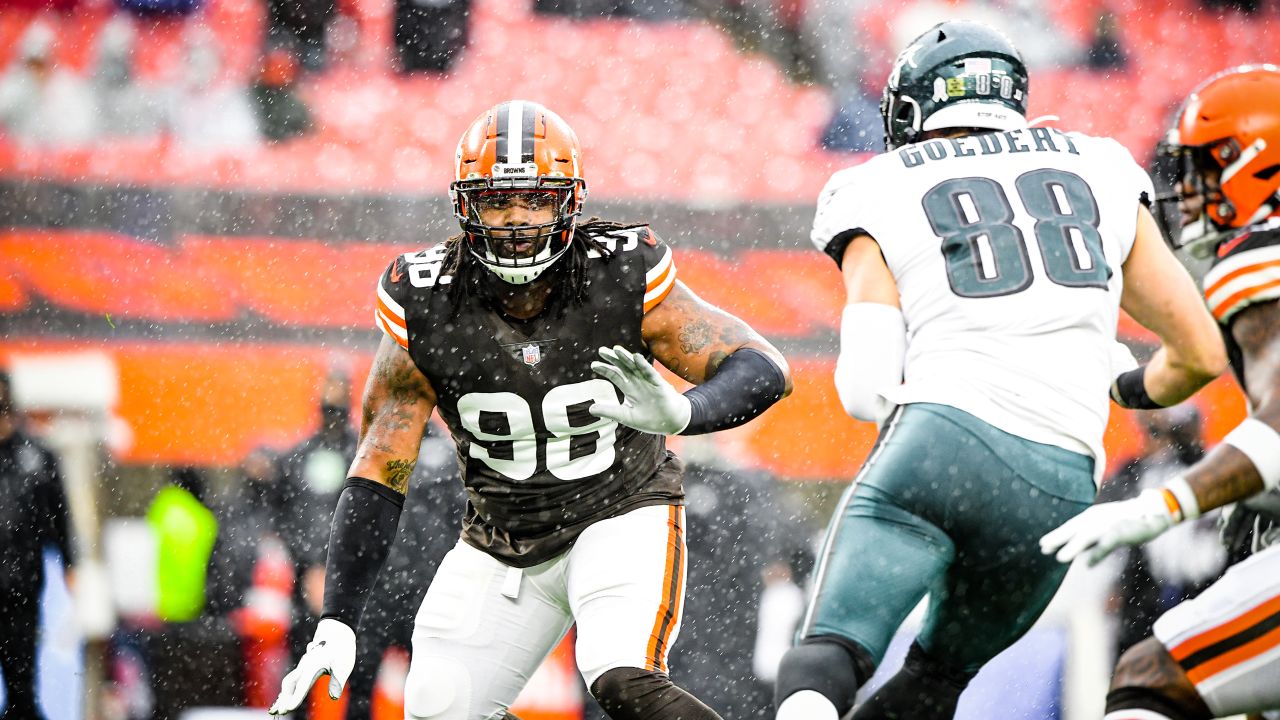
(642, 243)
(395, 288)
(1247, 271)
(659, 270)
(616, 239)
(843, 207)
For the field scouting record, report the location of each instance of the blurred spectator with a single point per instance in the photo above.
(191, 657)
(831, 29)
(33, 514)
(300, 26)
(42, 105)
(1105, 53)
(185, 531)
(282, 115)
(1183, 561)
(311, 478)
(209, 113)
(153, 8)
(429, 528)
(856, 125)
(430, 34)
(250, 577)
(124, 108)
(247, 517)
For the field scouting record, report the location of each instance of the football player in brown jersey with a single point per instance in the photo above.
(1218, 654)
(533, 335)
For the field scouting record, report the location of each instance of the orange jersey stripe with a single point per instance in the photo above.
(387, 329)
(1217, 634)
(652, 303)
(657, 282)
(1226, 305)
(391, 315)
(657, 638)
(1228, 660)
(1237, 273)
(679, 594)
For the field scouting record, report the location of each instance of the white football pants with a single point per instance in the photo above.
(484, 627)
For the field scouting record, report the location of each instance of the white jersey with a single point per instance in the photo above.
(1006, 248)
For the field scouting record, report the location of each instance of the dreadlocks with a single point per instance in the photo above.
(470, 277)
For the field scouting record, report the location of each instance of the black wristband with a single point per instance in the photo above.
(1130, 391)
(364, 526)
(745, 385)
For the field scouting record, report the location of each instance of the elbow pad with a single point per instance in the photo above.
(873, 350)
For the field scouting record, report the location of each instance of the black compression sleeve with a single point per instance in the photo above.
(1130, 391)
(364, 526)
(745, 385)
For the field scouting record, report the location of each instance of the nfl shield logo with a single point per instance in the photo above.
(532, 355)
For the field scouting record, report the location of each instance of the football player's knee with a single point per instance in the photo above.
(830, 666)
(437, 689)
(1148, 678)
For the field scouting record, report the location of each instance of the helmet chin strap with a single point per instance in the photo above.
(521, 274)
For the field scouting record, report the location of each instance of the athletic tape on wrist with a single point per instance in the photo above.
(1185, 497)
(1261, 444)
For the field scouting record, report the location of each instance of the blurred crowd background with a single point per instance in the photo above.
(196, 197)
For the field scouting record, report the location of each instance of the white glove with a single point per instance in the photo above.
(1103, 528)
(651, 404)
(333, 652)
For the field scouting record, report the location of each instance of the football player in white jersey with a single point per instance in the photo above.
(1218, 654)
(985, 263)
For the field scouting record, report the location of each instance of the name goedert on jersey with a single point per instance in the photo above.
(992, 143)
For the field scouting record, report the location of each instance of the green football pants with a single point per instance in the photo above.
(949, 506)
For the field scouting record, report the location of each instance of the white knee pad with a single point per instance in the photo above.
(438, 689)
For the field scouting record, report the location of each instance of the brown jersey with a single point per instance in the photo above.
(1246, 271)
(538, 466)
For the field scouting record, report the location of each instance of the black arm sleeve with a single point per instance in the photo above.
(1130, 391)
(364, 526)
(745, 385)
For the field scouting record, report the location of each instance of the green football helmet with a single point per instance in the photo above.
(958, 74)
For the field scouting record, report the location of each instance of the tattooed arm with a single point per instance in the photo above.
(398, 401)
(692, 337)
(1226, 474)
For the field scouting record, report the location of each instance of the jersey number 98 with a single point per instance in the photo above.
(581, 444)
(986, 253)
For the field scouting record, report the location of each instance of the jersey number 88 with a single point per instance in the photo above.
(986, 253)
